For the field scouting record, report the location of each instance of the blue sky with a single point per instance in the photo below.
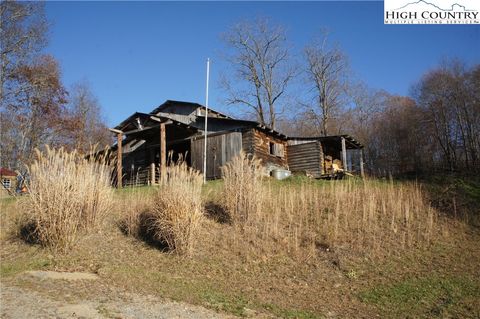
(138, 54)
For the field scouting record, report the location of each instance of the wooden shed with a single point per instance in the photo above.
(325, 156)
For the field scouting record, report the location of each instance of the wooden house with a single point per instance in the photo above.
(8, 178)
(146, 141)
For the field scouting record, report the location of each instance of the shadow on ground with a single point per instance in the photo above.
(145, 232)
(28, 233)
(217, 213)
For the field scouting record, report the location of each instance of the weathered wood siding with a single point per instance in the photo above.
(221, 149)
(257, 142)
(306, 157)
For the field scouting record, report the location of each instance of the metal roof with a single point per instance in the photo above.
(254, 124)
(197, 105)
(7, 172)
(153, 120)
(348, 138)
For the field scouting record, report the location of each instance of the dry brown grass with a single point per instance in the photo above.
(365, 216)
(242, 188)
(68, 195)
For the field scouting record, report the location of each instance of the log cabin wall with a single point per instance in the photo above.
(260, 143)
(306, 158)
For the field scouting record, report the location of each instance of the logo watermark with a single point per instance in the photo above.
(431, 11)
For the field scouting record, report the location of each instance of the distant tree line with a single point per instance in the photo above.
(437, 128)
(35, 107)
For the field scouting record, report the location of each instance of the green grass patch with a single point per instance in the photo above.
(212, 189)
(181, 289)
(201, 292)
(232, 304)
(456, 196)
(11, 268)
(471, 189)
(291, 313)
(425, 297)
(147, 189)
(7, 200)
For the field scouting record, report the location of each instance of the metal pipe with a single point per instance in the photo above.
(205, 132)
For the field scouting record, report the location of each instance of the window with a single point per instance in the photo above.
(7, 183)
(272, 148)
(276, 149)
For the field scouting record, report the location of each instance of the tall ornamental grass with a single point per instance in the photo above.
(242, 188)
(177, 209)
(68, 195)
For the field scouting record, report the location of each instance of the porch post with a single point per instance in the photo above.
(119, 160)
(361, 164)
(344, 154)
(163, 153)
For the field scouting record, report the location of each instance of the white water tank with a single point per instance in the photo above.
(280, 173)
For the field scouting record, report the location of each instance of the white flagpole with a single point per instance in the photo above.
(205, 132)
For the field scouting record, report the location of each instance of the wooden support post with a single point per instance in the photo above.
(362, 173)
(323, 169)
(344, 155)
(119, 160)
(163, 153)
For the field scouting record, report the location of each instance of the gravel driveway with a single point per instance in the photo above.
(45, 296)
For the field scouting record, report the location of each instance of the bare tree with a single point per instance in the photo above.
(397, 141)
(366, 103)
(449, 97)
(261, 62)
(38, 109)
(23, 34)
(326, 72)
(440, 128)
(86, 122)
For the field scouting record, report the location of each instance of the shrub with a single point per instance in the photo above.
(68, 194)
(177, 209)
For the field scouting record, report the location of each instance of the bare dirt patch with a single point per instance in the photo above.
(61, 275)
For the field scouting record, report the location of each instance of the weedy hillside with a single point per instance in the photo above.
(252, 246)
